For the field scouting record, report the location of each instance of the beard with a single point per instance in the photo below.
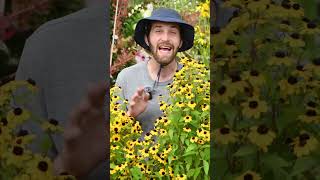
(163, 57)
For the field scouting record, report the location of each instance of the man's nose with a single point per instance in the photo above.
(165, 36)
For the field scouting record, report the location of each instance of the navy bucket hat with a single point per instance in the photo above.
(165, 15)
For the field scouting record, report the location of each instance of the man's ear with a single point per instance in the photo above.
(146, 40)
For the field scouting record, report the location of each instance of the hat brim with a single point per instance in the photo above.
(186, 29)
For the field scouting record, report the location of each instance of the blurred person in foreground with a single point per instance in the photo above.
(163, 35)
(68, 60)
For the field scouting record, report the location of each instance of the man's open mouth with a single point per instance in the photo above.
(165, 48)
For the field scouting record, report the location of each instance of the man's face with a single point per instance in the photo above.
(164, 41)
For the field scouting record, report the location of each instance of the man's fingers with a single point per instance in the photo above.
(79, 112)
(97, 94)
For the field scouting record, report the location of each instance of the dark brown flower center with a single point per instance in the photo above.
(248, 177)
(312, 104)
(285, 22)
(43, 166)
(262, 129)
(311, 25)
(295, 35)
(22, 132)
(280, 54)
(286, 4)
(230, 42)
(304, 136)
(296, 6)
(224, 130)
(253, 104)
(299, 68)
(254, 73)
(292, 80)
(53, 122)
(17, 150)
(17, 111)
(305, 19)
(31, 81)
(222, 90)
(316, 61)
(4, 121)
(311, 112)
(235, 77)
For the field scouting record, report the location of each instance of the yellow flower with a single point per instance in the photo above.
(189, 95)
(311, 116)
(249, 175)
(304, 144)
(192, 104)
(17, 116)
(40, 168)
(223, 94)
(204, 9)
(114, 147)
(280, 58)
(163, 132)
(224, 135)
(115, 138)
(194, 139)
(262, 136)
(294, 40)
(310, 28)
(254, 77)
(180, 104)
(205, 107)
(186, 129)
(17, 156)
(254, 107)
(51, 126)
(289, 86)
(187, 119)
(162, 172)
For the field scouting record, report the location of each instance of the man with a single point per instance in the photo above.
(64, 57)
(163, 34)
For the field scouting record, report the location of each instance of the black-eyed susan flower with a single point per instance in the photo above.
(224, 135)
(310, 28)
(52, 126)
(290, 86)
(262, 136)
(205, 107)
(17, 116)
(180, 104)
(163, 132)
(314, 66)
(254, 77)
(114, 147)
(115, 138)
(280, 58)
(254, 107)
(294, 40)
(181, 177)
(186, 129)
(249, 175)
(192, 104)
(17, 156)
(162, 172)
(304, 144)
(223, 94)
(40, 167)
(187, 119)
(193, 139)
(311, 116)
(301, 72)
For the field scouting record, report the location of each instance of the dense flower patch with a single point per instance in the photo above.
(179, 145)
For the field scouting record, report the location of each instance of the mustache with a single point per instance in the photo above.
(166, 43)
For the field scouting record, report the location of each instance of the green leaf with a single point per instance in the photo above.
(205, 167)
(273, 161)
(171, 133)
(302, 164)
(245, 150)
(46, 143)
(188, 161)
(196, 172)
(191, 147)
(136, 173)
(190, 173)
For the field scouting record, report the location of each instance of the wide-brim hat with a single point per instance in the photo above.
(165, 15)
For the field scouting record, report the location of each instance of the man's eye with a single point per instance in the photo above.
(173, 32)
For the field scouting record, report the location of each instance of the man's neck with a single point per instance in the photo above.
(167, 71)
